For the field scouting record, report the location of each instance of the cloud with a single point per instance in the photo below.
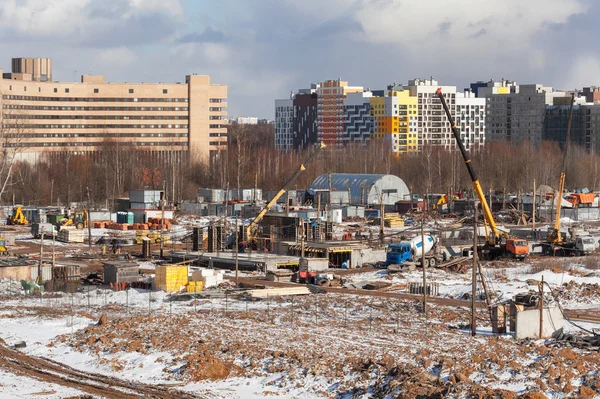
(264, 48)
(115, 57)
(108, 23)
(210, 35)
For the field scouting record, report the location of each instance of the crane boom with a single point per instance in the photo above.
(286, 186)
(555, 235)
(495, 235)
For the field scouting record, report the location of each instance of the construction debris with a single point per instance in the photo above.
(272, 292)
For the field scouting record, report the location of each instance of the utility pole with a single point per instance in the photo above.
(162, 219)
(533, 211)
(88, 218)
(237, 250)
(474, 273)
(382, 219)
(39, 276)
(53, 253)
(423, 266)
(542, 307)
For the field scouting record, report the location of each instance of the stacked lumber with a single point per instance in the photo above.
(393, 220)
(70, 234)
(171, 278)
(153, 236)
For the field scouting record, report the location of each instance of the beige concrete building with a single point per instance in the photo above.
(45, 117)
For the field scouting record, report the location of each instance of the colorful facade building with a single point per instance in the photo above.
(330, 110)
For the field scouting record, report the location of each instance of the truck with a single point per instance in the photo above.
(48, 229)
(581, 200)
(407, 253)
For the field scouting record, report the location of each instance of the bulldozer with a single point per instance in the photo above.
(77, 219)
(18, 217)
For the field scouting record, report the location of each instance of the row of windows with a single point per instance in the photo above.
(94, 99)
(133, 117)
(217, 134)
(96, 90)
(70, 135)
(93, 144)
(218, 100)
(217, 143)
(30, 126)
(217, 126)
(69, 108)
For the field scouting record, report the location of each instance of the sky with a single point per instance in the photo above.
(263, 49)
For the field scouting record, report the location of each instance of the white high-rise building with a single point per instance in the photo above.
(470, 119)
(433, 126)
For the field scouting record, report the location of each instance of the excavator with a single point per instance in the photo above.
(251, 231)
(494, 247)
(78, 219)
(18, 217)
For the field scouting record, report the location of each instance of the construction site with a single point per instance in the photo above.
(354, 287)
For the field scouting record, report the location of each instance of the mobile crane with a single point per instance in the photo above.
(494, 247)
(555, 245)
(251, 231)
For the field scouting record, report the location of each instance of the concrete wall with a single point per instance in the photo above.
(528, 323)
(366, 255)
(16, 272)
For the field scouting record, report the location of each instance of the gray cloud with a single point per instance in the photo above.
(210, 35)
(273, 46)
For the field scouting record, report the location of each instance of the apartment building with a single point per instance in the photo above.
(45, 117)
(516, 113)
(357, 122)
(284, 121)
(433, 127)
(330, 110)
(395, 114)
(470, 119)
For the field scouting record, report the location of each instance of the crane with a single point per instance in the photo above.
(555, 245)
(494, 247)
(554, 236)
(251, 230)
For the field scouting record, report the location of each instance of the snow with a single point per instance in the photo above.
(14, 386)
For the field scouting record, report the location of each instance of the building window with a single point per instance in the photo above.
(25, 88)
(130, 91)
(96, 91)
(66, 90)
(165, 91)
(55, 90)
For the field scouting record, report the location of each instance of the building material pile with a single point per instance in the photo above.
(393, 220)
(208, 277)
(195, 286)
(153, 236)
(171, 278)
(70, 234)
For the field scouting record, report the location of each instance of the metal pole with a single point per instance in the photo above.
(237, 250)
(423, 265)
(542, 308)
(89, 219)
(533, 211)
(474, 274)
(382, 221)
(39, 276)
(162, 220)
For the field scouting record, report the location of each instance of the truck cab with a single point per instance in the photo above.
(397, 254)
(517, 248)
(585, 245)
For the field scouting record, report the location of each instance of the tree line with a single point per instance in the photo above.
(252, 159)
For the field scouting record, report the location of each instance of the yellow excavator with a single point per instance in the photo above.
(78, 219)
(18, 217)
(251, 231)
(494, 247)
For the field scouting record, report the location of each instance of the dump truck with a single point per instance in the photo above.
(580, 200)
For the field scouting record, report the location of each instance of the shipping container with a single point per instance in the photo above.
(46, 273)
(145, 196)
